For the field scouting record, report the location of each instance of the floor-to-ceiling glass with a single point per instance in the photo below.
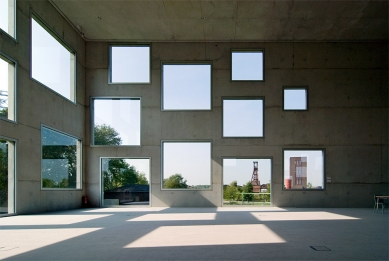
(7, 177)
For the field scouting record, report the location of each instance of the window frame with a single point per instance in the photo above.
(249, 50)
(14, 194)
(186, 63)
(323, 150)
(162, 165)
(14, 23)
(79, 159)
(249, 157)
(223, 98)
(102, 181)
(302, 87)
(58, 38)
(92, 119)
(110, 62)
(8, 59)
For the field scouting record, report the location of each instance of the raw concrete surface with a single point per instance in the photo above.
(248, 233)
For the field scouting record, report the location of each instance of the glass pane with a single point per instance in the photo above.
(247, 66)
(295, 99)
(51, 63)
(125, 181)
(7, 90)
(130, 64)
(186, 87)
(117, 121)
(60, 160)
(7, 16)
(303, 169)
(186, 165)
(243, 118)
(246, 181)
(7, 177)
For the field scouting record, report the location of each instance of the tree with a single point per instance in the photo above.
(3, 172)
(248, 188)
(142, 180)
(175, 181)
(106, 135)
(231, 192)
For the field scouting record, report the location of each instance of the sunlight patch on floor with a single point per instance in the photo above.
(176, 217)
(19, 241)
(167, 236)
(47, 220)
(296, 216)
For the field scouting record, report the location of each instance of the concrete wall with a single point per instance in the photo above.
(348, 116)
(38, 105)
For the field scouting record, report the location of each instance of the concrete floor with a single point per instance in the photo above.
(228, 233)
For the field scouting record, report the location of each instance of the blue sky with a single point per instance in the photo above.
(295, 99)
(50, 61)
(241, 170)
(247, 65)
(4, 77)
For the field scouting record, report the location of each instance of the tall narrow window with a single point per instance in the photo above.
(116, 121)
(7, 176)
(304, 169)
(186, 86)
(7, 88)
(61, 160)
(186, 165)
(295, 98)
(243, 117)
(7, 16)
(52, 62)
(130, 64)
(247, 65)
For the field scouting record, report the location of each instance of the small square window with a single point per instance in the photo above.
(130, 64)
(7, 88)
(186, 86)
(7, 16)
(304, 169)
(116, 121)
(186, 165)
(295, 98)
(247, 65)
(52, 62)
(61, 160)
(243, 117)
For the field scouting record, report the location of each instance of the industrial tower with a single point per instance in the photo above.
(254, 179)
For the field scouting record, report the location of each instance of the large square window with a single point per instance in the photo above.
(126, 181)
(243, 117)
(186, 165)
(247, 65)
(186, 86)
(53, 63)
(61, 160)
(7, 16)
(295, 98)
(7, 88)
(7, 176)
(129, 64)
(304, 169)
(116, 121)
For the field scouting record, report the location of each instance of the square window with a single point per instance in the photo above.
(7, 176)
(243, 117)
(52, 62)
(116, 121)
(126, 181)
(61, 160)
(7, 16)
(247, 65)
(304, 169)
(186, 165)
(186, 86)
(7, 88)
(296, 98)
(129, 64)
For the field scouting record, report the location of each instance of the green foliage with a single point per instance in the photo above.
(120, 174)
(4, 112)
(3, 172)
(231, 192)
(106, 135)
(175, 181)
(248, 188)
(309, 185)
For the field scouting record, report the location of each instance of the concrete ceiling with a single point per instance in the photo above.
(227, 20)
